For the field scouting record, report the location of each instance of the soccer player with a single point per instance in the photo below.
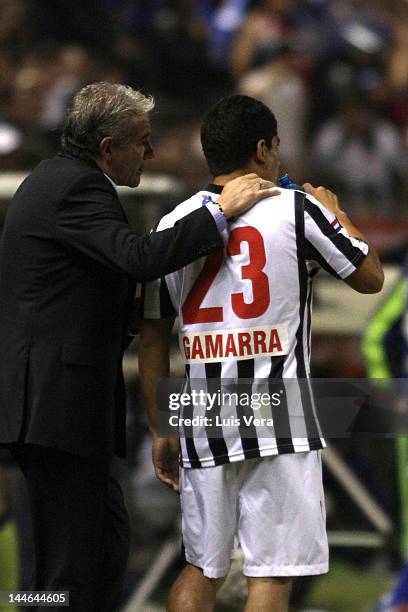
(244, 313)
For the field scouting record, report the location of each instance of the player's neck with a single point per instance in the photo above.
(222, 179)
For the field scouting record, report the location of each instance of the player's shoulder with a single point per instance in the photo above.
(181, 210)
(292, 195)
(311, 201)
(313, 206)
(277, 207)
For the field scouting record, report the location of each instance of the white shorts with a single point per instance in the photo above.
(273, 507)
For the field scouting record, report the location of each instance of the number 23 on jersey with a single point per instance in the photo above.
(192, 310)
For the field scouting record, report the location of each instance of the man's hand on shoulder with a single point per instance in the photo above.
(243, 192)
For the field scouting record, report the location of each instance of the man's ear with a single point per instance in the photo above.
(261, 151)
(105, 148)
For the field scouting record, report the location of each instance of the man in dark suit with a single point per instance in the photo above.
(69, 263)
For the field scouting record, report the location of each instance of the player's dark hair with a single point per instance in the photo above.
(231, 130)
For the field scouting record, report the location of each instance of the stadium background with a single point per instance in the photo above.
(335, 72)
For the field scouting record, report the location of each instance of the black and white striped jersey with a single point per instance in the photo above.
(244, 314)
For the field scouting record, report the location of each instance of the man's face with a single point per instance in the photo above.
(127, 161)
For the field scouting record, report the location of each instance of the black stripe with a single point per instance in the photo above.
(309, 316)
(311, 253)
(188, 431)
(280, 414)
(249, 439)
(166, 305)
(315, 444)
(343, 244)
(312, 273)
(311, 427)
(217, 446)
(302, 277)
(277, 365)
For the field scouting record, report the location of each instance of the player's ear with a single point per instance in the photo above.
(105, 149)
(261, 151)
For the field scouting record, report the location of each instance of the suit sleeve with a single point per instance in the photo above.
(90, 221)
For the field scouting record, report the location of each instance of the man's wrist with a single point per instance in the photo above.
(220, 203)
(223, 207)
(341, 216)
(218, 215)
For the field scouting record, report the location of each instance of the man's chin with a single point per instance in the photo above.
(135, 181)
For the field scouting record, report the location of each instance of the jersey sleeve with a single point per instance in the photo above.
(328, 243)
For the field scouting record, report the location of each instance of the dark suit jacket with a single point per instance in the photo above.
(69, 262)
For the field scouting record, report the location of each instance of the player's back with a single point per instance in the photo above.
(245, 322)
(247, 301)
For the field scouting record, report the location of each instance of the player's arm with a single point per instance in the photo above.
(154, 363)
(368, 277)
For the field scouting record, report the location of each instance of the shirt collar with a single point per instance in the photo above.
(111, 181)
(213, 188)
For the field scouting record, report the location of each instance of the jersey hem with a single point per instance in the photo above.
(314, 444)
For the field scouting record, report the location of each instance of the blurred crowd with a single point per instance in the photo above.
(335, 72)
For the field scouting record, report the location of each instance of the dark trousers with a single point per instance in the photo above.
(80, 526)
